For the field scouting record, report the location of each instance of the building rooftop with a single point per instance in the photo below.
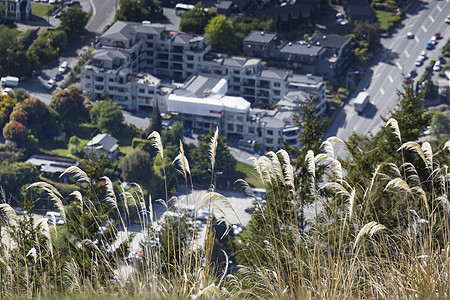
(51, 164)
(261, 37)
(275, 73)
(201, 86)
(301, 49)
(107, 54)
(331, 41)
(120, 31)
(145, 78)
(104, 142)
(305, 79)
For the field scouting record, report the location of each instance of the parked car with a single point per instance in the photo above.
(58, 15)
(407, 79)
(437, 66)
(54, 218)
(72, 2)
(429, 45)
(50, 84)
(52, 2)
(63, 67)
(447, 20)
(437, 35)
(413, 73)
(410, 35)
(58, 76)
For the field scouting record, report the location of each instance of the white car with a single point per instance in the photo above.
(447, 20)
(50, 84)
(410, 35)
(437, 66)
(63, 67)
(52, 2)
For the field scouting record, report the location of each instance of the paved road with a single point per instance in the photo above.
(384, 77)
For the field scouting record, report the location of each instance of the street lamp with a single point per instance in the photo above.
(214, 177)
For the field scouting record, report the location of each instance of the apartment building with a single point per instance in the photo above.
(324, 55)
(203, 102)
(128, 52)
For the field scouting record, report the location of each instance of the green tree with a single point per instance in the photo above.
(39, 118)
(225, 163)
(137, 167)
(107, 115)
(156, 122)
(72, 107)
(440, 124)
(195, 20)
(16, 132)
(140, 10)
(18, 62)
(220, 34)
(7, 103)
(73, 20)
(14, 175)
(7, 37)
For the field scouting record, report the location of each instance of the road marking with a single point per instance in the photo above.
(399, 66)
(431, 18)
(390, 78)
(439, 8)
(424, 29)
(416, 39)
(407, 54)
(382, 91)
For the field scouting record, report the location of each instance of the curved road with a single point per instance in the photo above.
(398, 57)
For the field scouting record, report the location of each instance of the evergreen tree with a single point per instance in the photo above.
(156, 123)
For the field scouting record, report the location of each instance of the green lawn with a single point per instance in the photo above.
(59, 148)
(40, 10)
(250, 176)
(125, 149)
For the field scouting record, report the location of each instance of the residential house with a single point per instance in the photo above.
(358, 11)
(52, 166)
(103, 143)
(16, 9)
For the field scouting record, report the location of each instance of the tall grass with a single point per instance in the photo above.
(342, 253)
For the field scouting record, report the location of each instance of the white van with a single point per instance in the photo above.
(63, 67)
(54, 217)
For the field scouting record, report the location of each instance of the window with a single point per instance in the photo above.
(276, 84)
(111, 79)
(150, 36)
(141, 90)
(190, 57)
(269, 141)
(237, 72)
(276, 92)
(239, 128)
(230, 127)
(190, 66)
(251, 129)
(269, 132)
(88, 76)
(236, 79)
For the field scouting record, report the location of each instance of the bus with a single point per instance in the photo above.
(181, 8)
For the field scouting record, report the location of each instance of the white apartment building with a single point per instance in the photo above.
(128, 52)
(203, 103)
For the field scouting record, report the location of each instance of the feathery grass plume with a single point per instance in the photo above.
(445, 203)
(79, 197)
(218, 202)
(156, 142)
(33, 254)
(310, 161)
(267, 169)
(328, 148)
(424, 197)
(71, 275)
(375, 229)
(428, 151)
(110, 195)
(257, 167)
(213, 148)
(276, 165)
(77, 173)
(46, 187)
(342, 143)
(287, 169)
(447, 145)
(351, 201)
(341, 190)
(372, 181)
(394, 125)
(183, 163)
(45, 231)
(208, 292)
(9, 211)
(415, 147)
(400, 184)
(365, 230)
